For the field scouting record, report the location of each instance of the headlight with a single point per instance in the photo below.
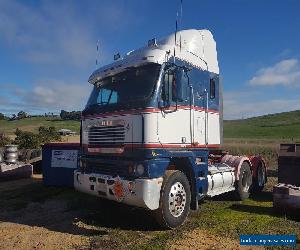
(139, 169)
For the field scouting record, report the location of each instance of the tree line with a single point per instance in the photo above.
(21, 115)
(64, 115)
(73, 115)
(31, 140)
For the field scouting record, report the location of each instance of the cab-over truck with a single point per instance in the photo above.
(152, 129)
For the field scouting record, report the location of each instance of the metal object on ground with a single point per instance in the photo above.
(66, 132)
(11, 154)
(11, 148)
(286, 198)
(289, 164)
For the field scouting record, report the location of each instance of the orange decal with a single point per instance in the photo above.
(118, 190)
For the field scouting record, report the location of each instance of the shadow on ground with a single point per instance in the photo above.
(67, 211)
(292, 215)
(264, 196)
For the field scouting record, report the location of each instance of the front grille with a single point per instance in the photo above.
(103, 135)
(106, 168)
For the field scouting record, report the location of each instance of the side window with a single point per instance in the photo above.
(168, 87)
(184, 81)
(212, 89)
(175, 86)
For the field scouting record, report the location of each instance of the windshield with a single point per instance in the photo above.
(134, 84)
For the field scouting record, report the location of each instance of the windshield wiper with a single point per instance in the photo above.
(109, 96)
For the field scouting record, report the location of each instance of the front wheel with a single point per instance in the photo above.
(175, 200)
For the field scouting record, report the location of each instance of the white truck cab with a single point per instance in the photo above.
(151, 132)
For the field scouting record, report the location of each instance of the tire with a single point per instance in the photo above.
(260, 179)
(244, 183)
(175, 187)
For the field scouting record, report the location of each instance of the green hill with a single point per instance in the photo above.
(33, 123)
(284, 125)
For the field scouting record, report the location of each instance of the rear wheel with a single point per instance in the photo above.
(244, 182)
(175, 199)
(260, 179)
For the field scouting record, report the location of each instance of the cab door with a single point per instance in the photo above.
(206, 115)
(175, 119)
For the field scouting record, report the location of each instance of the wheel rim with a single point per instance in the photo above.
(177, 199)
(245, 182)
(261, 176)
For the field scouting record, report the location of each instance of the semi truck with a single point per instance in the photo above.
(152, 131)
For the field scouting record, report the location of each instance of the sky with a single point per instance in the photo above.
(48, 49)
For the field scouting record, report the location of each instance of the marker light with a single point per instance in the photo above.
(117, 56)
(152, 43)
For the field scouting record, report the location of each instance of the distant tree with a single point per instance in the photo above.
(63, 114)
(22, 115)
(25, 139)
(2, 116)
(29, 140)
(73, 115)
(48, 134)
(4, 140)
(13, 117)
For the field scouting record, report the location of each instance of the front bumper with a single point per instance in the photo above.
(143, 193)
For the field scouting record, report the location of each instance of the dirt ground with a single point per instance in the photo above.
(39, 225)
(50, 223)
(200, 239)
(71, 139)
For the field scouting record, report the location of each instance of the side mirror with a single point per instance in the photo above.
(163, 104)
(160, 104)
(179, 82)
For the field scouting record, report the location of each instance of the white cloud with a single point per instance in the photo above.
(56, 95)
(56, 34)
(285, 72)
(59, 40)
(246, 104)
(47, 95)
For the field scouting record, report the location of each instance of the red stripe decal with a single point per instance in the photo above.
(148, 110)
(158, 145)
(106, 150)
(94, 149)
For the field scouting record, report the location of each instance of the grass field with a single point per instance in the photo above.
(264, 129)
(282, 126)
(32, 124)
